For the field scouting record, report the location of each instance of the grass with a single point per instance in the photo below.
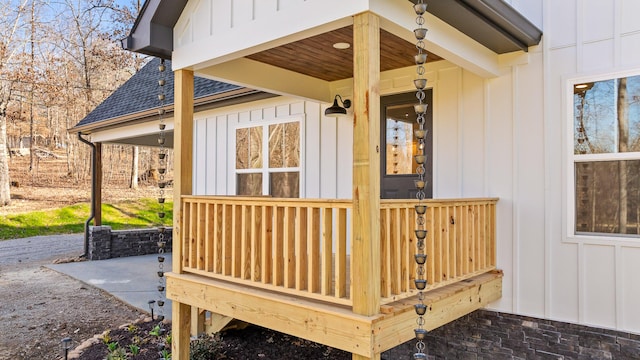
(70, 219)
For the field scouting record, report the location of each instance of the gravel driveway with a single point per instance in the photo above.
(39, 306)
(40, 248)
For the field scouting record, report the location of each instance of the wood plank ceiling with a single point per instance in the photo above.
(316, 56)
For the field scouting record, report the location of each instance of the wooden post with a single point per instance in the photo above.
(97, 219)
(197, 321)
(366, 167)
(182, 185)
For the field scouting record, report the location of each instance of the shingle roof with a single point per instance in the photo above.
(140, 93)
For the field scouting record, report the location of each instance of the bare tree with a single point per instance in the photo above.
(58, 60)
(623, 146)
(134, 168)
(10, 22)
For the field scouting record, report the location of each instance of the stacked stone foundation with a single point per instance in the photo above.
(105, 243)
(490, 335)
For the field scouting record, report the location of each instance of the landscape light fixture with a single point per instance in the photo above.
(65, 344)
(337, 110)
(151, 304)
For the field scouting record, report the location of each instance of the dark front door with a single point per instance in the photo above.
(399, 144)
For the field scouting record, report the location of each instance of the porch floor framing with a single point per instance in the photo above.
(330, 324)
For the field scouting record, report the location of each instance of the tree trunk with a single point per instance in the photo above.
(5, 194)
(134, 168)
(32, 78)
(623, 146)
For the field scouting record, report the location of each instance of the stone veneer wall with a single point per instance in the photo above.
(491, 335)
(105, 243)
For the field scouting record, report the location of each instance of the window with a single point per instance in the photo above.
(399, 141)
(400, 146)
(268, 160)
(606, 156)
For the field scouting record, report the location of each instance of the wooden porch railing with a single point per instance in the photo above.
(460, 243)
(301, 246)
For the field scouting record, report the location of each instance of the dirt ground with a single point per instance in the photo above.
(39, 307)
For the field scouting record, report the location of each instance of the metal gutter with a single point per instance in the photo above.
(94, 170)
(493, 23)
(202, 103)
(152, 31)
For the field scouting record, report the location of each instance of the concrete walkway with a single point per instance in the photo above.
(133, 279)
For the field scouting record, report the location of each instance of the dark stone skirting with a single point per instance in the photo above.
(490, 335)
(105, 243)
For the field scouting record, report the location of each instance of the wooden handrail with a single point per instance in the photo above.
(302, 246)
(460, 243)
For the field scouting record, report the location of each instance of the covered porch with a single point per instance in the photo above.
(336, 271)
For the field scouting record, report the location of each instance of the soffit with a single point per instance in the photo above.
(316, 56)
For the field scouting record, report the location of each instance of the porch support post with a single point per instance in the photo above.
(182, 185)
(97, 220)
(366, 168)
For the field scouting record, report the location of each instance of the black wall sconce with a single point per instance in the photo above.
(337, 110)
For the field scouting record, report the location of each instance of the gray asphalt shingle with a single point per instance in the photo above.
(141, 91)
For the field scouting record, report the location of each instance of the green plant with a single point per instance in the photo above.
(117, 354)
(135, 349)
(106, 338)
(155, 331)
(165, 354)
(132, 328)
(137, 340)
(112, 346)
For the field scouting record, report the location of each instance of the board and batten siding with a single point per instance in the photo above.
(325, 146)
(223, 29)
(593, 281)
(506, 137)
(499, 137)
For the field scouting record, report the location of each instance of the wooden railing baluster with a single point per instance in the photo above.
(327, 252)
(302, 247)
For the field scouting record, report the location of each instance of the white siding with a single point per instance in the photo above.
(547, 273)
(629, 288)
(598, 285)
(500, 159)
(321, 140)
(210, 29)
(522, 154)
(502, 137)
(588, 280)
(531, 9)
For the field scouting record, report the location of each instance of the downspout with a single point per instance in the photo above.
(94, 170)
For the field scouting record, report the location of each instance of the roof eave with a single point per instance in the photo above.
(492, 23)
(152, 31)
(200, 104)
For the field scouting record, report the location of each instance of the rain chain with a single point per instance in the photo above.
(581, 136)
(162, 183)
(394, 147)
(421, 233)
